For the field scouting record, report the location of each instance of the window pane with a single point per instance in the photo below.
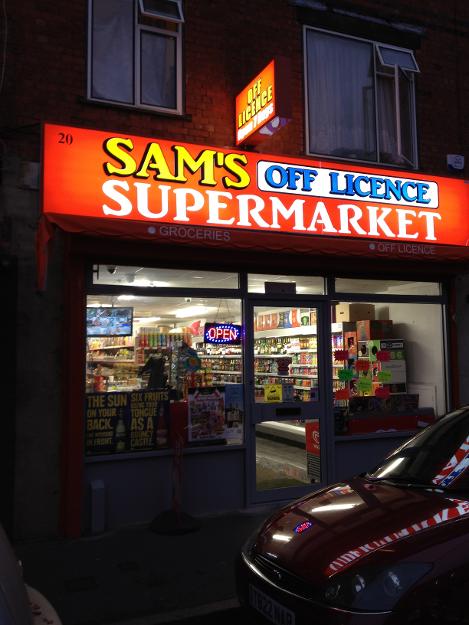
(387, 120)
(401, 58)
(406, 112)
(292, 284)
(388, 374)
(163, 8)
(158, 70)
(124, 275)
(285, 354)
(387, 287)
(340, 96)
(112, 50)
(282, 455)
(188, 384)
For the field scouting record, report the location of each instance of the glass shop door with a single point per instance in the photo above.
(287, 380)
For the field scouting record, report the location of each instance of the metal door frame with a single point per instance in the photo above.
(257, 412)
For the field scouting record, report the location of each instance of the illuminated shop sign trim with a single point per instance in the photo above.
(126, 180)
(263, 106)
(222, 333)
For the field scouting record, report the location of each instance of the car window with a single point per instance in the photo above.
(438, 456)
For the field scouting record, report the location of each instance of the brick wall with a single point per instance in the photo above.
(225, 45)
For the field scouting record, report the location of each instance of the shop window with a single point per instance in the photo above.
(280, 284)
(388, 366)
(134, 53)
(162, 370)
(387, 287)
(145, 277)
(360, 99)
(286, 370)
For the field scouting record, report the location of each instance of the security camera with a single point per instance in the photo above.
(188, 300)
(111, 269)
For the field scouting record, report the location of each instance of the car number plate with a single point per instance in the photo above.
(270, 609)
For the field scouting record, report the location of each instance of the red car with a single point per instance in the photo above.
(387, 547)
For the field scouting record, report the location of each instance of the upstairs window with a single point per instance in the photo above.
(134, 53)
(360, 99)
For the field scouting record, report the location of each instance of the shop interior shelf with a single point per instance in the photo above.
(277, 375)
(298, 331)
(204, 355)
(98, 349)
(112, 361)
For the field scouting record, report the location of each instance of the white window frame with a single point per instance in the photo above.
(138, 29)
(164, 16)
(376, 56)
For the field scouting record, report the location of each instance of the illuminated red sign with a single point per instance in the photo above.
(262, 107)
(113, 182)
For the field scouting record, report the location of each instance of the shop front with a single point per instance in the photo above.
(242, 328)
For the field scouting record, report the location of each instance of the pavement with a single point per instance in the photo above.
(139, 576)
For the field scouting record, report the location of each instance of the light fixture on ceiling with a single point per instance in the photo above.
(146, 319)
(192, 311)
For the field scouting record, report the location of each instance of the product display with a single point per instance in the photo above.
(285, 355)
(373, 373)
(195, 349)
(191, 361)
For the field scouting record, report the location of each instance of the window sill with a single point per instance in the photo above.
(345, 438)
(147, 455)
(134, 109)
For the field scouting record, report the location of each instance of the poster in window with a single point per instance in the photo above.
(126, 422)
(206, 417)
(234, 413)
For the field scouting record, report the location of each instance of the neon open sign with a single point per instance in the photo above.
(226, 333)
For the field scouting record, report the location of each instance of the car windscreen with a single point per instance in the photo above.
(437, 457)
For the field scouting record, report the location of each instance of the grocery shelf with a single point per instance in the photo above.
(112, 360)
(98, 349)
(204, 355)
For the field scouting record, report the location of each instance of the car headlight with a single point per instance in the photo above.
(373, 588)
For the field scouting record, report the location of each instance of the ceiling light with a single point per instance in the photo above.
(192, 311)
(126, 297)
(98, 304)
(145, 319)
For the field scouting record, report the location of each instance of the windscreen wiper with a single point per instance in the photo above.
(406, 482)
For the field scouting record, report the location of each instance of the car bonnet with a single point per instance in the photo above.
(343, 525)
